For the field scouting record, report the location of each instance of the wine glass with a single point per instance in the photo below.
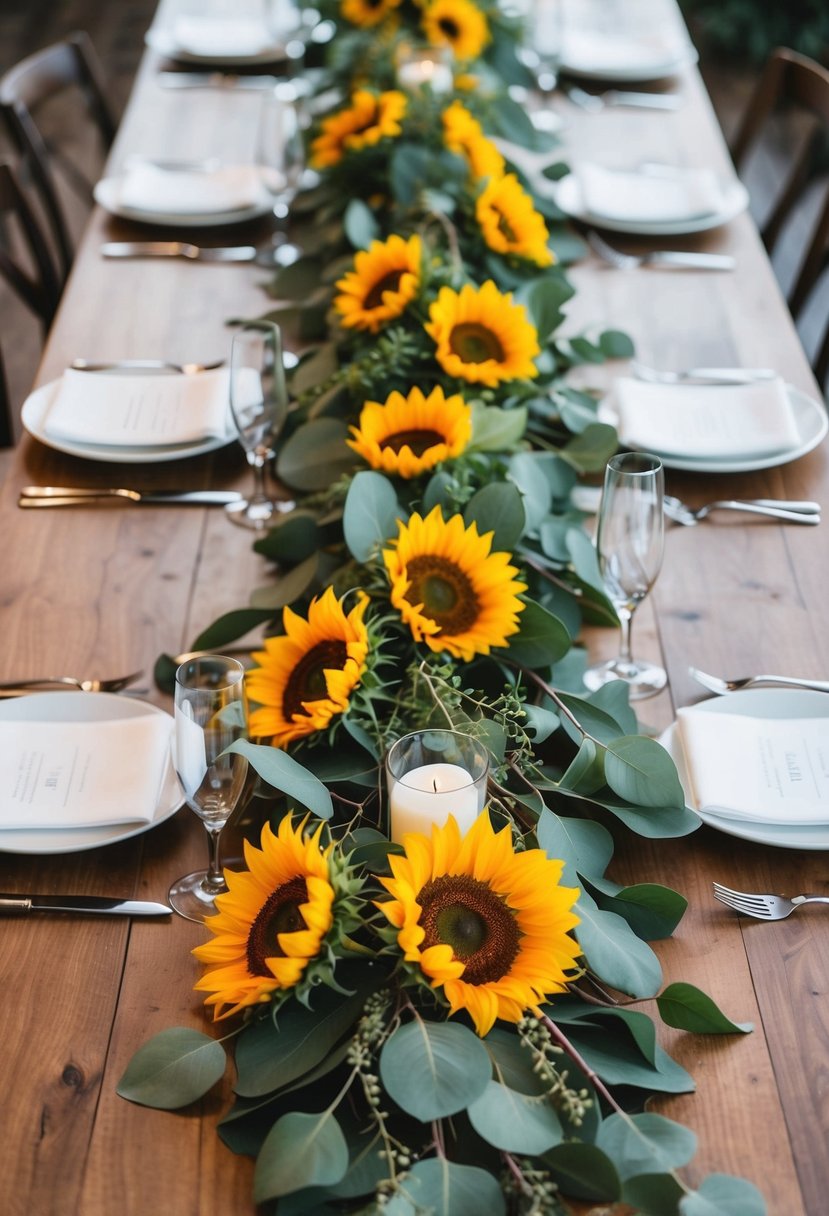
(280, 152)
(545, 28)
(258, 403)
(629, 542)
(210, 713)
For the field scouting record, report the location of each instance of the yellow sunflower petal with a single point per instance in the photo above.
(481, 336)
(384, 281)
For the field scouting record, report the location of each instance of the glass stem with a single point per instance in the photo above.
(214, 881)
(258, 460)
(625, 622)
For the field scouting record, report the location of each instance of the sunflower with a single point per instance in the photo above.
(408, 435)
(459, 24)
(384, 281)
(488, 925)
(368, 118)
(367, 13)
(481, 336)
(272, 921)
(450, 589)
(306, 675)
(464, 135)
(510, 223)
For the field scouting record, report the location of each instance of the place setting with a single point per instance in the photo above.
(257, 34)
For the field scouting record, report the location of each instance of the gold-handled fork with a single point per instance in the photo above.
(764, 907)
(45, 682)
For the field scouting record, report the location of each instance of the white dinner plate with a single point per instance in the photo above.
(758, 703)
(161, 39)
(107, 192)
(37, 404)
(810, 419)
(631, 71)
(568, 196)
(83, 707)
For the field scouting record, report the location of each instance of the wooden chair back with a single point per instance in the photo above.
(33, 279)
(25, 87)
(791, 79)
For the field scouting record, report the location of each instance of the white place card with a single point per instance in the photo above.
(706, 421)
(155, 189)
(81, 774)
(233, 35)
(663, 195)
(141, 410)
(766, 770)
(592, 50)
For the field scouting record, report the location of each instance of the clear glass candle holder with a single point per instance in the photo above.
(432, 774)
(419, 67)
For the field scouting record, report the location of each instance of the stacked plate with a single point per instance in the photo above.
(186, 197)
(615, 57)
(232, 40)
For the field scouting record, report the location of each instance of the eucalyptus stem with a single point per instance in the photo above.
(564, 1043)
(553, 695)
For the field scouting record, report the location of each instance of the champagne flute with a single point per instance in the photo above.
(210, 713)
(545, 27)
(280, 151)
(258, 403)
(629, 542)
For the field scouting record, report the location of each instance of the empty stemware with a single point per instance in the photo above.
(210, 714)
(629, 543)
(258, 403)
(281, 155)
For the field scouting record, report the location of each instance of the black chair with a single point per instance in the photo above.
(33, 280)
(796, 88)
(23, 90)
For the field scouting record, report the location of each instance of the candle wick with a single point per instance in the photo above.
(435, 784)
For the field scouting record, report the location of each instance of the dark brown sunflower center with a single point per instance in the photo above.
(504, 226)
(307, 680)
(374, 3)
(450, 28)
(466, 914)
(279, 914)
(444, 590)
(475, 343)
(418, 440)
(389, 282)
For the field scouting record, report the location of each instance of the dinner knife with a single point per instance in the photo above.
(178, 249)
(73, 496)
(97, 905)
(213, 80)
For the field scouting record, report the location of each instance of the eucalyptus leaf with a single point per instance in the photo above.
(284, 773)
(653, 1194)
(655, 822)
(585, 772)
(583, 1171)
(361, 227)
(525, 470)
(176, 1067)
(544, 301)
(437, 492)
(497, 508)
(434, 1069)
(590, 450)
(447, 1189)
(592, 718)
(315, 455)
(495, 429)
(645, 1144)
(688, 1008)
(614, 951)
(300, 1150)
(292, 538)
(297, 281)
(512, 1063)
(540, 723)
(641, 771)
(290, 586)
(315, 368)
(653, 912)
(722, 1195)
(513, 1122)
(371, 514)
(230, 626)
(541, 639)
(615, 344)
(584, 846)
(583, 556)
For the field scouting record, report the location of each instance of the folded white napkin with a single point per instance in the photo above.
(593, 51)
(767, 770)
(81, 774)
(139, 410)
(235, 36)
(152, 188)
(661, 195)
(708, 421)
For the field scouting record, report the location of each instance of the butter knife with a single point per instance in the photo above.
(178, 249)
(73, 496)
(97, 905)
(213, 80)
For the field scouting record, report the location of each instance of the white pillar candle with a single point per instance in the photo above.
(422, 70)
(429, 795)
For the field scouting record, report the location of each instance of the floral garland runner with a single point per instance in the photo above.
(427, 1026)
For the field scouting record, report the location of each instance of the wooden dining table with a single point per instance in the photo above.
(102, 591)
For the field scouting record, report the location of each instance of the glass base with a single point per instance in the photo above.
(190, 899)
(256, 515)
(642, 679)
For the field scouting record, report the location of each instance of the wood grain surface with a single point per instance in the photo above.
(99, 592)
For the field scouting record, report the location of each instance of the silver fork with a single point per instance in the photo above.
(679, 259)
(144, 365)
(112, 685)
(793, 512)
(595, 102)
(719, 686)
(764, 907)
(701, 375)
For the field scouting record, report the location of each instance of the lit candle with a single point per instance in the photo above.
(429, 795)
(422, 68)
